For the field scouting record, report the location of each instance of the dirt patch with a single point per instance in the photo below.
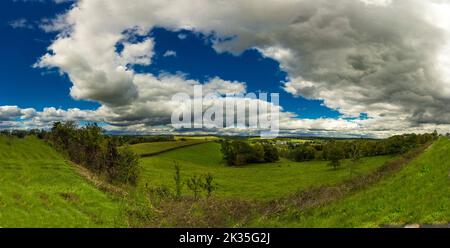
(45, 199)
(70, 196)
(212, 212)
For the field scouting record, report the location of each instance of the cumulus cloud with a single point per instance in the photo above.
(386, 58)
(170, 53)
(10, 113)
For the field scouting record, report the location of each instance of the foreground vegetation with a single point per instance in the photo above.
(256, 181)
(89, 147)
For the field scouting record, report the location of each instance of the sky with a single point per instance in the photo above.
(342, 68)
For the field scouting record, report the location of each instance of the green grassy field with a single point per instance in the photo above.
(149, 149)
(418, 194)
(38, 188)
(259, 181)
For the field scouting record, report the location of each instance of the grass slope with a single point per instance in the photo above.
(154, 148)
(419, 193)
(260, 181)
(38, 188)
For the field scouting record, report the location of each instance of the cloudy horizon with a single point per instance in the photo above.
(345, 68)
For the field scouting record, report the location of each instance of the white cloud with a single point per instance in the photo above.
(21, 23)
(170, 53)
(383, 58)
(10, 113)
(137, 53)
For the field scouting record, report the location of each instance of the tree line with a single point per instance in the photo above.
(336, 150)
(132, 140)
(101, 154)
(89, 147)
(240, 152)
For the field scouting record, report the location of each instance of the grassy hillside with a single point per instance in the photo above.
(38, 188)
(259, 181)
(153, 148)
(419, 193)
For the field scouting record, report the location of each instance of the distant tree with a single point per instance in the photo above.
(239, 152)
(228, 151)
(334, 154)
(355, 156)
(435, 134)
(271, 153)
(303, 152)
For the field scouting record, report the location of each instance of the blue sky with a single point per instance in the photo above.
(20, 84)
(28, 87)
(384, 65)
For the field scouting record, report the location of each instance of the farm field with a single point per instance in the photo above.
(418, 194)
(258, 181)
(38, 188)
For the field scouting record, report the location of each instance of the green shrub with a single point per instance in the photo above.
(195, 185)
(209, 186)
(89, 147)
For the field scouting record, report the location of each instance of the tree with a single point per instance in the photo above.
(271, 153)
(89, 147)
(334, 153)
(112, 160)
(355, 156)
(239, 153)
(303, 152)
(229, 153)
(257, 155)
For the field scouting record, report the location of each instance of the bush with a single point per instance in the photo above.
(239, 153)
(271, 153)
(209, 186)
(89, 147)
(195, 185)
(334, 152)
(303, 152)
(128, 167)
